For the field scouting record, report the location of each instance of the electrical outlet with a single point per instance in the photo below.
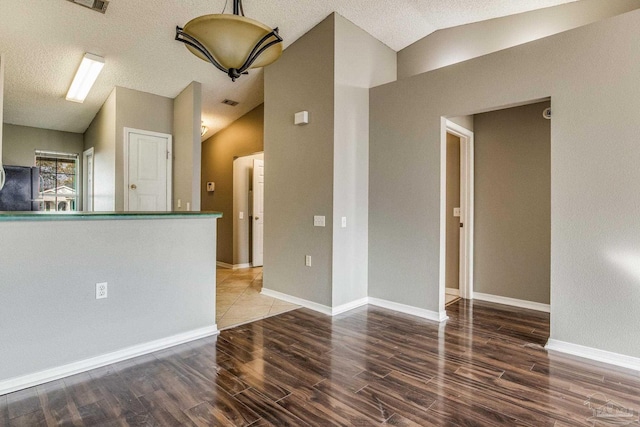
(101, 290)
(307, 260)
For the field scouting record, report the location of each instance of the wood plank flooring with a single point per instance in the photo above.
(485, 366)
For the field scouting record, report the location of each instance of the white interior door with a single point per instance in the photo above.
(258, 213)
(148, 183)
(87, 180)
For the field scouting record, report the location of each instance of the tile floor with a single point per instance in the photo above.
(238, 298)
(450, 299)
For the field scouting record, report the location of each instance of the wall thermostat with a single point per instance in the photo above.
(547, 113)
(211, 186)
(301, 118)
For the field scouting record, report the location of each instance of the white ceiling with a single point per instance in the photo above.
(44, 40)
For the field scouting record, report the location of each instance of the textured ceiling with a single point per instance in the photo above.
(44, 40)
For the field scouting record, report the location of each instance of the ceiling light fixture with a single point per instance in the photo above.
(85, 77)
(232, 43)
(203, 129)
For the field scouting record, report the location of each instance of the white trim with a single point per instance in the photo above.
(513, 302)
(233, 266)
(442, 261)
(452, 291)
(30, 380)
(467, 186)
(591, 353)
(169, 138)
(402, 308)
(349, 306)
(299, 301)
(224, 265)
(86, 200)
(408, 309)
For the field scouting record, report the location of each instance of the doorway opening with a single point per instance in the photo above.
(248, 210)
(496, 208)
(458, 215)
(239, 299)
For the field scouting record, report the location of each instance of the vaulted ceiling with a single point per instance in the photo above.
(43, 42)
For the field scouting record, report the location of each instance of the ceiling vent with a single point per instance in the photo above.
(230, 102)
(97, 5)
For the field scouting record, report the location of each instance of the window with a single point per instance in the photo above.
(58, 181)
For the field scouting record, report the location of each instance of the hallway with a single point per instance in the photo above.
(238, 298)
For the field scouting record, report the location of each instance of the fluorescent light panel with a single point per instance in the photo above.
(86, 76)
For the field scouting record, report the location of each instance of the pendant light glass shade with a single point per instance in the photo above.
(231, 42)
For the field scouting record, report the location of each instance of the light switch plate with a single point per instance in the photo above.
(456, 212)
(211, 187)
(344, 222)
(318, 221)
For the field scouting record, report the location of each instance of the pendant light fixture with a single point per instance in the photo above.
(231, 42)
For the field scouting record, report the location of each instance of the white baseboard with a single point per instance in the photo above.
(402, 308)
(18, 383)
(324, 309)
(233, 266)
(452, 291)
(513, 302)
(408, 309)
(591, 353)
(349, 306)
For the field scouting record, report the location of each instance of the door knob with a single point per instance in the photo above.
(133, 186)
(257, 218)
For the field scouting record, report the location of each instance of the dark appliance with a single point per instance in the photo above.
(20, 189)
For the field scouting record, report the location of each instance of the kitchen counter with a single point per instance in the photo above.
(66, 216)
(160, 269)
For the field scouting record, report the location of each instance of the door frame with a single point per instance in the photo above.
(127, 133)
(253, 217)
(466, 208)
(86, 200)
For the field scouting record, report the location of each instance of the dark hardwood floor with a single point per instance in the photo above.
(370, 366)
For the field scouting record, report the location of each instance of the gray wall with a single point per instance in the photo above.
(243, 137)
(513, 203)
(376, 64)
(138, 110)
(101, 135)
(452, 273)
(242, 184)
(21, 142)
(457, 44)
(187, 147)
(321, 168)
(299, 167)
(124, 108)
(50, 316)
(590, 74)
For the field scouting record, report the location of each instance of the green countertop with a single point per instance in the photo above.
(70, 216)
